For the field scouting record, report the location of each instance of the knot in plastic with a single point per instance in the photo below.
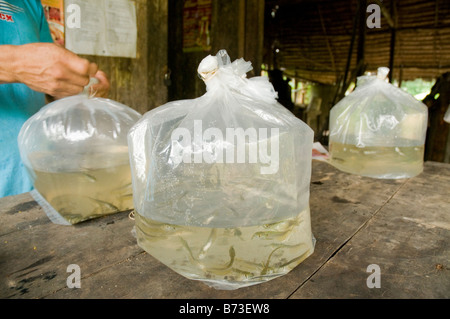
(88, 91)
(211, 65)
(382, 73)
(208, 67)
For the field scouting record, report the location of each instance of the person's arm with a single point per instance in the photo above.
(6, 56)
(48, 68)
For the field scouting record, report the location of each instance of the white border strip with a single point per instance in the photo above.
(51, 213)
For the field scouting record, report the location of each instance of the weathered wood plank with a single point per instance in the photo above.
(356, 221)
(351, 205)
(35, 253)
(408, 239)
(112, 259)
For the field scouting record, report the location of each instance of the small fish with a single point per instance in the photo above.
(212, 237)
(266, 265)
(215, 270)
(169, 227)
(245, 273)
(127, 195)
(105, 206)
(190, 255)
(235, 213)
(159, 230)
(89, 177)
(397, 149)
(272, 235)
(126, 186)
(280, 245)
(283, 225)
(227, 268)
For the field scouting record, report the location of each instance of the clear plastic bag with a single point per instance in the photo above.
(447, 115)
(221, 182)
(75, 150)
(378, 130)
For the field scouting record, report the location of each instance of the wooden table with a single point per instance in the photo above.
(402, 226)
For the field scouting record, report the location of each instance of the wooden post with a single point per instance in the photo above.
(361, 37)
(392, 56)
(343, 84)
(157, 59)
(393, 26)
(400, 76)
(236, 26)
(254, 34)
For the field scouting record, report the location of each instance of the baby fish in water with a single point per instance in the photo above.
(272, 235)
(216, 270)
(212, 237)
(225, 269)
(126, 186)
(266, 265)
(127, 195)
(87, 176)
(105, 206)
(229, 257)
(160, 231)
(283, 225)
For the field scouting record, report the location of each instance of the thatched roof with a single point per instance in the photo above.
(314, 38)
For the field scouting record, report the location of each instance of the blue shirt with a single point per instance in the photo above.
(21, 22)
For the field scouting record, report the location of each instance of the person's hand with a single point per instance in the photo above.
(53, 70)
(101, 89)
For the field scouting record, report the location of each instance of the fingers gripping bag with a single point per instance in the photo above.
(75, 150)
(378, 130)
(221, 182)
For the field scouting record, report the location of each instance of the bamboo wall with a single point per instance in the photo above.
(314, 37)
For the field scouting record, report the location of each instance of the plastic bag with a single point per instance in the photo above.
(221, 182)
(378, 130)
(75, 150)
(447, 115)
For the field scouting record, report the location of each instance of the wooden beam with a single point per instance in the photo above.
(327, 40)
(343, 86)
(361, 35)
(392, 55)
(254, 34)
(393, 40)
(241, 29)
(400, 76)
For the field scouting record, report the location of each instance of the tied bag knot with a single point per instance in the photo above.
(218, 72)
